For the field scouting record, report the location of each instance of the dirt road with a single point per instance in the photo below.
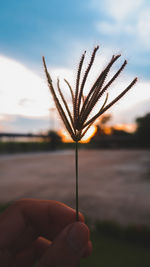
(113, 184)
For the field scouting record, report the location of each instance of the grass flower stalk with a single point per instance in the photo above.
(77, 176)
(79, 121)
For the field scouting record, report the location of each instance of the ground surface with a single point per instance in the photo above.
(114, 184)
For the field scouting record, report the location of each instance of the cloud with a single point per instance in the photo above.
(24, 125)
(25, 94)
(25, 99)
(121, 9)
(112, 28)
(21, 90)
(136, 110)
(129, 18)
(143, 27)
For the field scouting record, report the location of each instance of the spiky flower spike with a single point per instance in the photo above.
(78, 123)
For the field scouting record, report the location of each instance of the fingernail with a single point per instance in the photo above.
(78, 236)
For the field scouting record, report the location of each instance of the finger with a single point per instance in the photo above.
(30, 255)
(6, 258)
(24, 221)
(88, 250)
(40, 246)
(67, 248)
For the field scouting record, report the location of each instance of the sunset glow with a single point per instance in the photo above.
(130, 128)
(86, 139)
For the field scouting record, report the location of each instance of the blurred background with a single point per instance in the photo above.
(37, 154)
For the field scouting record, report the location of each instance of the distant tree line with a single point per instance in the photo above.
(117, 139)
(120, 138)
(143, 130)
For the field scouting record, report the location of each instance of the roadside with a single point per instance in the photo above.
(113, 184)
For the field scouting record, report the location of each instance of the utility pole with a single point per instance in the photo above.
(52, 119)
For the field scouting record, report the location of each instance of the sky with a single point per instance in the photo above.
(61, 30)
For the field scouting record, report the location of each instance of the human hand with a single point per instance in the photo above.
(43, 231)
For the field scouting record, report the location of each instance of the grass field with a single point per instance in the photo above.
(109, 252)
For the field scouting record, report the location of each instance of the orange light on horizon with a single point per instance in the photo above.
(130, 128)
(86, 139)
(108, 130)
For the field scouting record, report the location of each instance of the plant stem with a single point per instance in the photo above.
(76, 167)
(77, 192)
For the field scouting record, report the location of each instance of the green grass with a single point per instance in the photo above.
(110, 252)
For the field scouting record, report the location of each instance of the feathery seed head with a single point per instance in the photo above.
(77, 124)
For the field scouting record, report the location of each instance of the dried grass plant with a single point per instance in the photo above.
(77, 122)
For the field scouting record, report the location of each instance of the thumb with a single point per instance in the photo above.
(68, 247)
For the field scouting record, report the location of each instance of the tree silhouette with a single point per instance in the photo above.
(143, 129)
(54, 139)
(101, 124)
